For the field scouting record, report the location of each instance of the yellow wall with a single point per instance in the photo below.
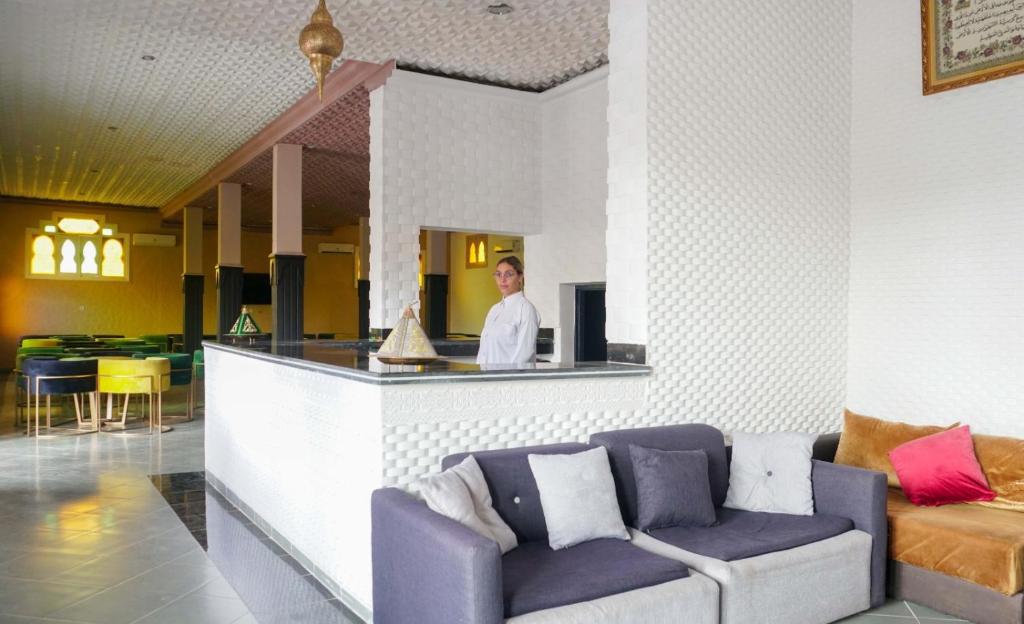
(151, 301)
(472, 292)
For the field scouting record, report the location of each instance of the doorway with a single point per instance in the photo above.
(590, 342)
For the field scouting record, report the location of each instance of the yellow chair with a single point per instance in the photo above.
(125, 377)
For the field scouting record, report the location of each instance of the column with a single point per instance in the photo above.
(192, 279)
(626, 298)
(434, 316)
(287, 262)
(229, 255)
(364, 277)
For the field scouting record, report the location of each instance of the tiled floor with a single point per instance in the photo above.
(85, 536)
(97, 529)
(902, 612)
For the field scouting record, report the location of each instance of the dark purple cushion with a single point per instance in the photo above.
(536, 577)
(671, 438)
(742, 534)
(513, 489)
(672, 488)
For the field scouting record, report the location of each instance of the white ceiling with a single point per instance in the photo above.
(223, 70)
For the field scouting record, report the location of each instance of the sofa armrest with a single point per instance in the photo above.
(859, 495)
(430, 569)
(825, 446)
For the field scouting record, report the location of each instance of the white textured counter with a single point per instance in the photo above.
(301, 449)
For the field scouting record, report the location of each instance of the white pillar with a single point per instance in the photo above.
(287, 200)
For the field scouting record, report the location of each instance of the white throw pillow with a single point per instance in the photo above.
(771, 472)
(461, 493)
(577, 494)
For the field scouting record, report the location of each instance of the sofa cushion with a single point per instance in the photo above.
(1002, 460)
(866, 442)
(672, 488)
(941, 469)
(771, 472)
(536, 577)
(689, 437)
(461, 493)
(577, 493)
(512, 486)
(978, 544)
(742, 534)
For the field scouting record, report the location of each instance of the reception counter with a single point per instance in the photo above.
(298, 435)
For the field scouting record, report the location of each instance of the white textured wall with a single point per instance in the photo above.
(937, 254)
(444, 154)
(747, 187)
(574, 190)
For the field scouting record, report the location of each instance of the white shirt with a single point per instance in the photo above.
(510, 332)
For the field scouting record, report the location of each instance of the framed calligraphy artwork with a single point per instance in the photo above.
(970, 41)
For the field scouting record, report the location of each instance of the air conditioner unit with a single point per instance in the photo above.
(153, 240)
(336, 248)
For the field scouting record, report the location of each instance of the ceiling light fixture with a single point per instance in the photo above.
(500, 9)
(321, 42)
(148, 57)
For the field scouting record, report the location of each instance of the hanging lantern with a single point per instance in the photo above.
(321, 42)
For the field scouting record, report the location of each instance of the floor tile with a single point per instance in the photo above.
(39, 598)
(198, 608)
(42, 566)
(118, 605)
(893, 607)
(924, 612)
(868, 618)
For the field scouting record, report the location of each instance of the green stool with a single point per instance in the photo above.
(198, 374)
(40, 342)
(161, 340)
(140, 348)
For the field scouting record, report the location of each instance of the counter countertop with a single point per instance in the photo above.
(340, 359)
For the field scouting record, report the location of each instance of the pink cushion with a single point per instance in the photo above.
(941, 469)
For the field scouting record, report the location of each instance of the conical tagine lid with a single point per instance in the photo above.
(244, 325)
(407, 343)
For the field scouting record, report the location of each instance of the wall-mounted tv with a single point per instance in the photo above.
(256, 288)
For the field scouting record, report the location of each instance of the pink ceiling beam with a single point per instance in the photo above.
(351, 75)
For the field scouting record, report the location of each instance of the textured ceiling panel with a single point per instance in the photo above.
(335, 170)
(69, 69)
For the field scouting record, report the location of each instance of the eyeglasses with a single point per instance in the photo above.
(506, 274)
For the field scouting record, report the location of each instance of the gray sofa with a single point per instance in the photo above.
(750, 567)
(770, 567)
(428, 569)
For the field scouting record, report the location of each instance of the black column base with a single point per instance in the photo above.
(287, 279)
(229, 298)
(192, 324)
(364, 309)
(435, 309)
(627, 353)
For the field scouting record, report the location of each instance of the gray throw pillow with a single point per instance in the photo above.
(672, 488)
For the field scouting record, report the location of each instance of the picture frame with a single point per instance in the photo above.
(966, 42)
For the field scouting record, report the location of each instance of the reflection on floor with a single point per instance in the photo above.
(87, 536)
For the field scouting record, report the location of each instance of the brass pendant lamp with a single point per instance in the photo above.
(321, 42)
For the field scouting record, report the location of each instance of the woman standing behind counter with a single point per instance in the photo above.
(510, 331)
